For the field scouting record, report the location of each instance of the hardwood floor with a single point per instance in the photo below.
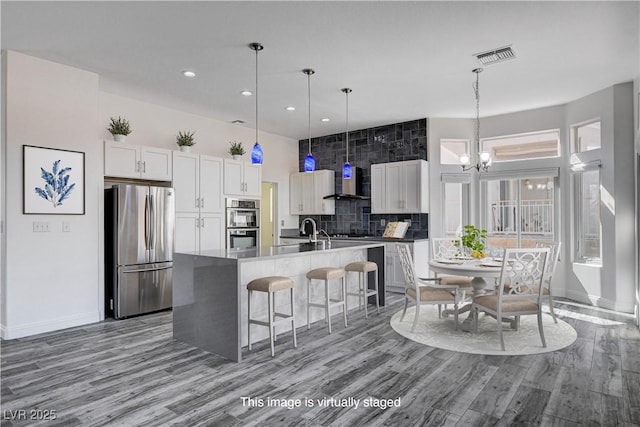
(132, 372)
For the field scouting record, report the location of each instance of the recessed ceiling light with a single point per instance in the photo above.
(246, 93)
(290, 108)
(189, 74)
(324, 120)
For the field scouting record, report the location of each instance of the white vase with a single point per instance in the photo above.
(236, 156)
(185, 148)
(120, 138)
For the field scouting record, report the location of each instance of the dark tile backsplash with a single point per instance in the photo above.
(383, 144)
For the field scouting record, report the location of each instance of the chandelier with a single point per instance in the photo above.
(483, 160)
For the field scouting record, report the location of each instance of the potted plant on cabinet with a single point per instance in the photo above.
(474, 241)
(236, 150)
(119, 128)
(185, 140)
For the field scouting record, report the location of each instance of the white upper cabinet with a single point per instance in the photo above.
(124, 160)
(197, 180)
(242, 179)
(400, 187)
(306, 192)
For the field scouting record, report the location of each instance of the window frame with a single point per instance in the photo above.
(483, 141)
(578, 213)
(467, 143)
(573, 137)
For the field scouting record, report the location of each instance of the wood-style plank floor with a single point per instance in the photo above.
(132, 372)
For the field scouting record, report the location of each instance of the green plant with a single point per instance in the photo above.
(185, 139)
(236, 148)
(119, 126)
(474, 238)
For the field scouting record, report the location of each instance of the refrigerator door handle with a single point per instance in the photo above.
(146, 222)
(152, 215)
(142, 270)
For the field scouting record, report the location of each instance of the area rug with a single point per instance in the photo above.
(440, 333)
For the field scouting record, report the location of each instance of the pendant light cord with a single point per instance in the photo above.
(347, 124)
(256, 95)
(476, 89)
(309, 113)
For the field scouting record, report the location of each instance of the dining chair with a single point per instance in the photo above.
(519, 289)
(425, 291)
(449, 247)
(554, 255)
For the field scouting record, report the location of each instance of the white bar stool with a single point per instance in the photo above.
(363, 268)
(271, 285)
(326, 274)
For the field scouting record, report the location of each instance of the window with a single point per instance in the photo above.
(535, 145)
(519, 211)
(455, 197)
(585, 137)
(452, 149)
(587, 210)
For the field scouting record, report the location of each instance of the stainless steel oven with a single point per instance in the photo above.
(243, 224)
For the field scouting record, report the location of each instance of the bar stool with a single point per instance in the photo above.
(271, 285)
(363, 268)
(326, 274)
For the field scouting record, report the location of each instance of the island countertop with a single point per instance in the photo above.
(281, 251)
(210, 289)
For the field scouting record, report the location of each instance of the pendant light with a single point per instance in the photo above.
(256, 151)
(309, 161)
(483, 160)
(346, 169)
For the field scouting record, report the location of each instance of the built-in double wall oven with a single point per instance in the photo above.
(243, 224)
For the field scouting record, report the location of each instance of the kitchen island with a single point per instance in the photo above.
(210, 295)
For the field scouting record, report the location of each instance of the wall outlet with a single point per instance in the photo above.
(41, 226)
(282, 223)
(66, 226)
(383, 223)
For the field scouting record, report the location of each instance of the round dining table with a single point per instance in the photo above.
(479, 269)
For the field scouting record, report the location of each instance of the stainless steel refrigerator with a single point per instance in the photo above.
(139, 222)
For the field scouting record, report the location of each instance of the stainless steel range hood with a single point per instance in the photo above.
(351, 188)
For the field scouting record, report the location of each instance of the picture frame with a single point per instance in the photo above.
(53, 181)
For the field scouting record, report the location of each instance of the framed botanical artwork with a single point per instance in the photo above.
(53, 181)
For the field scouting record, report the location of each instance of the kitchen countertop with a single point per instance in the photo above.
(356, 238)
(284, 250)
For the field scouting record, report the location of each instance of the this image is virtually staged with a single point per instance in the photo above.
(351, 213)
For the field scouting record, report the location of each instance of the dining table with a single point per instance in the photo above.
(479, 269)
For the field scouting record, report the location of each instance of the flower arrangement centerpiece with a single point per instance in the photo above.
(119, 128)
(185, 140)
(236, 149)
(474, 239)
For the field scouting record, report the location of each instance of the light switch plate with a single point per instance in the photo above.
(66, 226)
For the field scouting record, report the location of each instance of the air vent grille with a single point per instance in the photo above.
(238, 122)
(496, 55)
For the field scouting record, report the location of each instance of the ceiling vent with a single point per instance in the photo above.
(496, 55)
(238, 122)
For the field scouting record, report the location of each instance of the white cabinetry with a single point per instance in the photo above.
(306, 192)
(136, 161)
(400, 187)
(197, 180)
(394, 276)
(242, 179)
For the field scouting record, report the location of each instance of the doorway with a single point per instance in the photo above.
(268, 213)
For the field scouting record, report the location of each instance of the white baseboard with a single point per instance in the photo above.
(28, 329)
(626, 307)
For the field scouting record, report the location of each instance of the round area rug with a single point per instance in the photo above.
(440, 333)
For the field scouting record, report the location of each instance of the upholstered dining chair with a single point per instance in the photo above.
(554, 255)
(425, 291)
(519, 289)
(449, 247)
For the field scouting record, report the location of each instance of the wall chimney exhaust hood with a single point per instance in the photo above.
(351, 188)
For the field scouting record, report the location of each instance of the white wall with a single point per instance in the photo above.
(52, 279)
(55, 280)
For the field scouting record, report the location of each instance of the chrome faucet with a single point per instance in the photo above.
(314, 236)
(328, 237)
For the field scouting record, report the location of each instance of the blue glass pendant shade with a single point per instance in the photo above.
(256, 154)
(346, 171)
(309, 163)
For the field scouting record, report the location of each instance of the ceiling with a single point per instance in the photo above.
(403, 60)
